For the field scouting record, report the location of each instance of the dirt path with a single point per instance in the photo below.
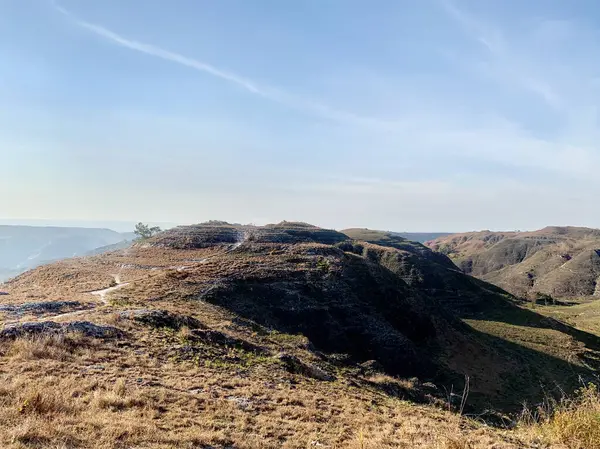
(104, 292)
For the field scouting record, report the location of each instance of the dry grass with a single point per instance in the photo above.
(572, 422)
(54, 346)
(66, 393)
(122, 398)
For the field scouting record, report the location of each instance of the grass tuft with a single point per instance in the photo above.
(55, 346)
(573, 423)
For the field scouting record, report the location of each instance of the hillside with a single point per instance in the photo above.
(286, 335)
(26, 247)
(562, 262)
(421, 237)
(109, 248)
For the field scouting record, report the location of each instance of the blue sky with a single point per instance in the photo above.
(433, 115)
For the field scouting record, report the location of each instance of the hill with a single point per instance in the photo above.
(26, 247)
(109, 248)
(286, 335)
(560, 262)
(421, 237)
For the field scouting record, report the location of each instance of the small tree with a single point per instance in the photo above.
(143, 231)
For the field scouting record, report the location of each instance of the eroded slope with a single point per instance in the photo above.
(561, 262)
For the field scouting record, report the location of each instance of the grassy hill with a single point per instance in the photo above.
(286, 335)
(560, 262)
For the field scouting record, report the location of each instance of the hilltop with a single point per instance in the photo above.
(560, 262)
(287, 335)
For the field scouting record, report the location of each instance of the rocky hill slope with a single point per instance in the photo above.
(285, 335)
(561, 262)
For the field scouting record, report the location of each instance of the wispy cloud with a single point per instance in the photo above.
(280, 96)
(491, 39)
(161, 53)
(434, 132)
(505, 60)
(551, 59)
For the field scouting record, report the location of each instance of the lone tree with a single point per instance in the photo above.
(144, 231)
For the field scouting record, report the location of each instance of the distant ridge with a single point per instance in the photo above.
(421, 237)
(556, 261)
(26, 247)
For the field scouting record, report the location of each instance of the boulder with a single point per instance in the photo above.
(41, 307)
(219, 338)
(161, 318)
(87, 328)
(294, 365)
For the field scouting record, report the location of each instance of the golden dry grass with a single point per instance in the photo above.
(573, 422)
(53, 346)
(133, 397)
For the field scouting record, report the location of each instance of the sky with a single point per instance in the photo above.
(430, 115)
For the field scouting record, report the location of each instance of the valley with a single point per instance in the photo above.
(25, 247)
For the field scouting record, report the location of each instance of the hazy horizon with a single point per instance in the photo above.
(433, 116)
(115, 225)
(128, 226)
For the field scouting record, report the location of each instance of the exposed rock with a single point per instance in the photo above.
(93, 330)
(161, 318)
(429, 386)
(294, 365)
(209, 234)
(95, 368)
(219, 338)
(42, 307)
(371, 367)
(21, 329)
(50, 327)
(242, 403)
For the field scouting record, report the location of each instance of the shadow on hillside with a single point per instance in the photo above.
(495, 304)
(518, 316)
(525, 376)
(368, 313)
(503, 374)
